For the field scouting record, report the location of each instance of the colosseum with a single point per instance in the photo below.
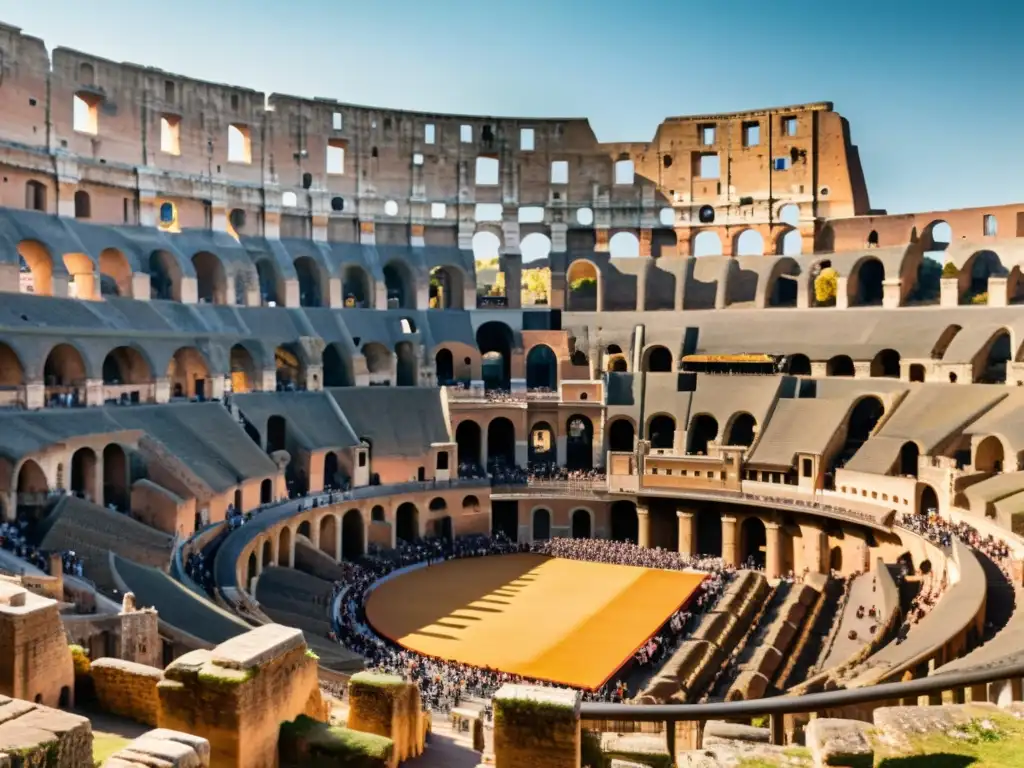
(743, 475)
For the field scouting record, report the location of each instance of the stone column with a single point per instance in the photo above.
(536, 726)
(814, 547)
(686, 522)
(730, 545)
(643, 530)
(337, 538)
(94, 392)
(773, 551)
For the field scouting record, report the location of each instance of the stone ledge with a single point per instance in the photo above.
(833, 741)
(38, 735)
(162, 747)
(131, 667)
(555, 698)
(258, 647)
(716, 731)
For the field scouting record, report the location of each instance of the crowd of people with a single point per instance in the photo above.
(503, 473)
(941, 531)
(14, 539)
(444, 683)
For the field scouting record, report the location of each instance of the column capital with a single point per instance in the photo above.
(730, 519)
(643, 510)
(684, 513)
(771, 525)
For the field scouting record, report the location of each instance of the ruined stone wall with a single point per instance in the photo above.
(386, 705)
(35, 661)
(140, 637)
(34, 735)
(127, 689)
(161, 508)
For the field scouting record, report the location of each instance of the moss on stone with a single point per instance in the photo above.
(311, 654)
(222, 676)
(376, 680)
(308, 742)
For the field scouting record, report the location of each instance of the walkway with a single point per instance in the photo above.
(862, 593)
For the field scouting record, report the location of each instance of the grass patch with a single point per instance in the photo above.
(993, 742)
(106, 744)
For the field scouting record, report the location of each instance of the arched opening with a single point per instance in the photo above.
(337, 366)
(64, 367)
(582, 284)
(753, 541)
(271, 290)
(406, 368)
(749, 243)
(116, 482)
(625, 523)
(312, 282)
(444, 367)
(329, 535)
(32, 491)
(621, 436)
(401, 288)
(467, 438)
(658, 360)
(187, 373)
(291, 374)
(707, 243)
(916, 372)
(164, 276)
(115, 273)
(742, 430)
(501, 443)
(12, 372)
(994, 364)
(494, 340)
(446, 288)
(709, 532)
(83, 474)
(541, 525)
(886, 364)
(872, 239)
(661, 431)
(377, 514)
(541, 368)
(250, 570)
(81, 276)
(862, 422)
(211, 279)
(125, 365)
(284, 548)
(870, 280)
(305, 530)
(266, 492)
(579, 443)
(356, 287)
(840, 365)
(703, 430)
(331, 470)
(268, 554)
(277, 434)
(928, 503)
(581, 524)
(835, 559)
(65, 697)
(798, 365)
(35, 196)
(35, 261)
(407, 523)
(378, 358)
(909, 455)
(542, 444)
(988, 456)
(783, 284)
(243, 370)
(624, 245)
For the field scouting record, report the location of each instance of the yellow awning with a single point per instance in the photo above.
(753, 357)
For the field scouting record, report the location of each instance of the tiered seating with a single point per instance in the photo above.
(812, 642)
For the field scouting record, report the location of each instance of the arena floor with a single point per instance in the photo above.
(564, 621)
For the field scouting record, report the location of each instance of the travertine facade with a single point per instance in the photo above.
(388, 706)
(140, 634)
(35, 661)
(127, 689)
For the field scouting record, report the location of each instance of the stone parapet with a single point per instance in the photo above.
(308, 743)
(161, 747)
(388, 706)
(34, 735)
(536, 727)
(35, 661)
(127, 689)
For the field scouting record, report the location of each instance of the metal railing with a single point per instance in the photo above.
(776, 707)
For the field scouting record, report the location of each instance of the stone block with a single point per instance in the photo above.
(719, 730)
(636, 748)
(536, 727)
(308, 743)
(127, 689)
(161, 747)
(388, 706)
(832, 741)
(895, 725)
(35, 661)
(38, 735)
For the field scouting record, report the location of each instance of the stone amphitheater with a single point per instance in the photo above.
(249, 374)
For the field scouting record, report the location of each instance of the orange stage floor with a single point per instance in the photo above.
(564, 621)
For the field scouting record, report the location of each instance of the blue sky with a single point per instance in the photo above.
(934, 91)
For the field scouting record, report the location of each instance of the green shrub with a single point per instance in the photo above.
(949, 270)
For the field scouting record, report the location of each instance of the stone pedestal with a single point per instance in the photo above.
(949, 292)
(536, 727)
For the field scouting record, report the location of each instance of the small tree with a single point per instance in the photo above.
(949, 270)
(826, 285)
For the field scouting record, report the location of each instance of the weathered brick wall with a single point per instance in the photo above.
(536, 728)
(387, 706)
(162, 509)
(35, 735)
(35, 661)
(127, 689)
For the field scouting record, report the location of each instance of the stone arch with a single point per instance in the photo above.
(407, 523)
(495, 340)
(244, 374)
(621, 435)
(115, 273)
(164, 276)
(117, 481)
(313, 281)
(65, 366)
(268, 553)
(741, 430)
(753, 540)
(974, 275)
(126, 365)
(330, 469)
(541, 368)
(840, 365)
(658, 359)
(271, 282)
(927, 500)
(579, 443)
(936, 236)
(290, 368)
(540, 525)
(277, 433)
(468, 442)
(798, 365)
(284, 547)
(187, 373)
(353, 535)
(706, 242)
(501, 442)
(357, 287)
(789, 242)
(81, 276)
(864, 417)
(377, 514)
(406, 368)
(749, 242)
(624, 245)
(337, 366)
(400, 284)
(909, 455)
(32, 489)
(945, 339)
(625, 523)
(782, 285)
(989, 455)
(329, 535)
(886, 364)
(661, 431)
(378, 358)
(83, 474)
(447, 288)
(582, 523)
(444, 367)
(36, 260)
(12, 372)
(583, 286)
(993, 358)
(866, 282)
(541, 448)
(916, 372)
(211, 278)
(703, 430)
(266, 491)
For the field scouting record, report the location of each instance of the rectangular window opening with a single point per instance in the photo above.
(533, 214)
(487, 171)
(526, 140)
(438, 210)
(781, 164)
(560, 172)
(489, 211)
(709, 165)
(335, 157)
(239, 144)
(466, 134)
(336, 121)
(624, 172)
(707, 135)
(170, 134)
(86, 114)
(751, 134)
(789, 126)
(417, 159)
(429, 133)
(991, 225)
